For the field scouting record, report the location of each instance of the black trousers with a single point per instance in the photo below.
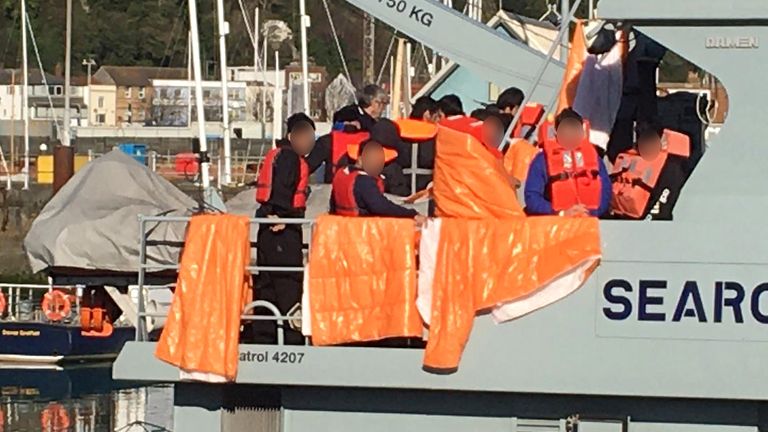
(277, 249)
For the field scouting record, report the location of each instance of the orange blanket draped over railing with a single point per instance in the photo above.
(203, 327)
(490, 256)
(483, 265)
(362, 280)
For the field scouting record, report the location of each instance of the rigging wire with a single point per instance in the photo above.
(42, 74)
(386, 57)
(173, 37)
(250, 34)
(338, 43)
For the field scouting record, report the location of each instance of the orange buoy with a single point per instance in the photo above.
(56, 305)
(54, 418)
(3, 305)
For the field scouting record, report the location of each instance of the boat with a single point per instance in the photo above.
(29, 336)
(613, 356)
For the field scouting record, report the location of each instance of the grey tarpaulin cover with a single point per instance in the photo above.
(92, 223)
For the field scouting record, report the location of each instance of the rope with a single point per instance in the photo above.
(386, 57)
(42, 74)
(336, 39)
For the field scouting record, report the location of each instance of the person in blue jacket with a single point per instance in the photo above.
(570, 140)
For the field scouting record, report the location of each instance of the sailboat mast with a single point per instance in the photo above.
(65, 139)
(25, 91)
(196, 66)
(304, 58)
(223, 31)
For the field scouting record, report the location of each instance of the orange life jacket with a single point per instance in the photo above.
(343, 191)
(574, 175)
(264, 182)
(529, 119)
(414, 130)
(634, 178)
(340, 140)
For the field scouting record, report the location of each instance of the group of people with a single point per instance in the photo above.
(365, 156)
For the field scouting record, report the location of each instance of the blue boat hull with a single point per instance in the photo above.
(57, 343)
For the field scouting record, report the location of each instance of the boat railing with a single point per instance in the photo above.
(274, 314)
(23, 300)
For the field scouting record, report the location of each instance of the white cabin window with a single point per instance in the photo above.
(101, 101)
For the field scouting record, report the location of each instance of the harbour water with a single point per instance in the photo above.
(80, 398)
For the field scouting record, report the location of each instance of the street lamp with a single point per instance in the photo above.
(89, 63)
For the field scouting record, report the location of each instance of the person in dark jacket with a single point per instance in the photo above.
(449, 106)
(510, 100)
(347, 120)
(280, 245)
(424, 109)
(358, 189)
(387, 133)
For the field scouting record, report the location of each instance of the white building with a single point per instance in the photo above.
(173, 103)
(46, 97)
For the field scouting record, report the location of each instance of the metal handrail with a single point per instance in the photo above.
(142, 314)
(15, 295)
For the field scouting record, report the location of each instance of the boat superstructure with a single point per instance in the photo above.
(667, 335)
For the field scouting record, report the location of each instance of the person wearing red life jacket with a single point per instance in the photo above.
(282, 189)
(647, 180)
(358, 190)
(568, 178)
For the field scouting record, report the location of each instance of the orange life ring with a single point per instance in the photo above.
(3, 305)
(56, 305)
(54, 418)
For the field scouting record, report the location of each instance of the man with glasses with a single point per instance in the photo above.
(372, 101)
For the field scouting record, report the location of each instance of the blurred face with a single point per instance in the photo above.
(378, 106)
(570, 134)
(302, 140)
(649, 147)
(431, 117)
(493, 131)
(372, 159)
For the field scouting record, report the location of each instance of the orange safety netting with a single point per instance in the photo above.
(203, 327)
(469, 180)
(362, 280)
